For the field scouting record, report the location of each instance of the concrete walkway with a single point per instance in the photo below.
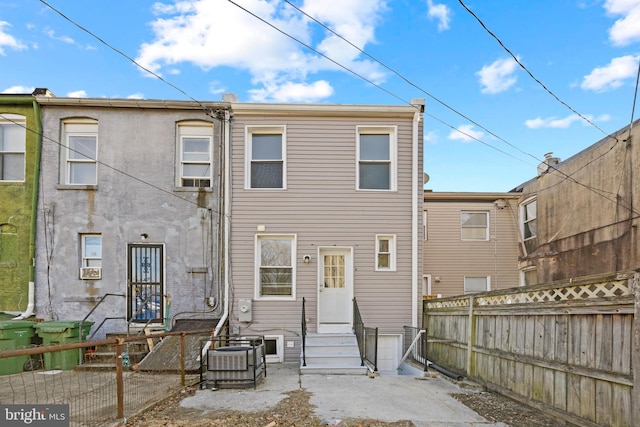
(425, 401)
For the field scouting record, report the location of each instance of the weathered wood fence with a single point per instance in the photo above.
(567, 349)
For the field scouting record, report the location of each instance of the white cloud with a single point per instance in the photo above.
(7, 40)
(64, 39)
(563, 123)
(441, 13)
(613, 75)
(431, 137)
(625, 30)
(19, 89)
(498, 76)
(465, 133)
(77, 94)
(136, 96)
(213, 34)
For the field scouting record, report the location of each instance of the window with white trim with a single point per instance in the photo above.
(275, 266)
(476, 284)
(266, 165)
(195, 142)
(81, 152)
(474, 225)
(91, 250)
(529, 223)
(529, 276)
(385, 252)
(274, 348)
(13, 134)
(376, 153)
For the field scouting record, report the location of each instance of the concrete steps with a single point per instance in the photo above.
(103, 358)
(332, 354)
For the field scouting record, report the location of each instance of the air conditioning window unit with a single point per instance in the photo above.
(91, 273)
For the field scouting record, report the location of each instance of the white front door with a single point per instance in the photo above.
(335, 290)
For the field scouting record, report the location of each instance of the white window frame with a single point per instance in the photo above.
(258, 285)
(486, 232)
(524, 219)
(80, 128)
(488, 281)
(18, 121)
(392, 131)
(524, 272)
(279, 356)
(90, 260)
(391, 253)
(265, 130)
(425, 220)
(200, 130)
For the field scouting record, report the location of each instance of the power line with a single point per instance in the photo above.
(529, 72)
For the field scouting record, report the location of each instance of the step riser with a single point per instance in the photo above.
(332, 354)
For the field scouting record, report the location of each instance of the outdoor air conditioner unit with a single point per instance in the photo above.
(91, 273)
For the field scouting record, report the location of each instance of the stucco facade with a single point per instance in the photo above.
(129, 211)
(19, 156)
(586, 215)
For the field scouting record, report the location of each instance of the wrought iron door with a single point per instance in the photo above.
(146, 279)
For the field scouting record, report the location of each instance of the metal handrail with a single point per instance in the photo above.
(304, 334)
(139, 310)
(367, 339)
(94, 309)
(415, 346)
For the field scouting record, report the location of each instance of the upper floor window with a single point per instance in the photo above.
(474, 225)
(266, 157)
(81, 152)
(385, 253)
(528, 223)
(275, 266)
(13, 134)
(195, 142)
(376, 158)
(476, 284)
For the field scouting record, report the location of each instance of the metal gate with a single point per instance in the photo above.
(145, 278)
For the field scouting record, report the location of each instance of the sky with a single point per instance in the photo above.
(505, 81)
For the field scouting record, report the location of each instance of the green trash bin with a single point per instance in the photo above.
(62, 332)
(14, 334)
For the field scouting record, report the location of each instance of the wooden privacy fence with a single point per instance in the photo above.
(568, 349)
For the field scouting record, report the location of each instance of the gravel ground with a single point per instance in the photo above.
(295, 410)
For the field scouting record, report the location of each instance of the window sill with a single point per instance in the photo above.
(76, 187)
(192, 189)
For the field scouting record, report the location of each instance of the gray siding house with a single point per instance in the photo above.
(471, 243)
(579, 217)
(129, 212)
(326, 206)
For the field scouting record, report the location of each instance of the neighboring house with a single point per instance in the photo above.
(326, 206)
(470, 242)
(20, 144)
(580, 216)
(129, 211)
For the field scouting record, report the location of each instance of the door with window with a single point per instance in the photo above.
(146, 283)
(335, 290)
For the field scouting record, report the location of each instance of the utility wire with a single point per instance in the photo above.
(529, 72)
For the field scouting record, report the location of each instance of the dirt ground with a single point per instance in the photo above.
(296, 411)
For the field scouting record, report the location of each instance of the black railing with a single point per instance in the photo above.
(367, 339)
(415, 346)
(304, 335)
(103, 320)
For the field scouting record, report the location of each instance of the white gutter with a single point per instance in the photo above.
(31, 305)
(226, 199)
(416, 195)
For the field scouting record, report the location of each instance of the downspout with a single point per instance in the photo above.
(226, 218)
(414, 216)
(34, 213)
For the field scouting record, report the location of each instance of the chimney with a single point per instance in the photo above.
(548, 163)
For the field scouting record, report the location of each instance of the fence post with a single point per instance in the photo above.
(119, 381)
(635, 358)
(182, 356)
(471, 328)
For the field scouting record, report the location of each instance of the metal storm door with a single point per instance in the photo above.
(145, 278)
(335, 290)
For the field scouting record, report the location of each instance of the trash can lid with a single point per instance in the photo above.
(16, 324)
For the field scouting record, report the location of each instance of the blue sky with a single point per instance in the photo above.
(488, 123)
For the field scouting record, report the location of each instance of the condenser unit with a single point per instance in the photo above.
(236, 366)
